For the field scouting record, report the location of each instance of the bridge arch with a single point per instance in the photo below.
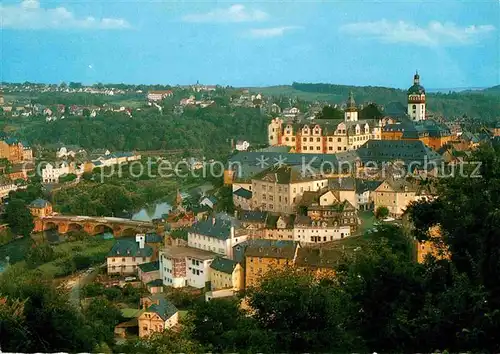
(49, 226)
(129, 231)
(75, 227)
(102, 228)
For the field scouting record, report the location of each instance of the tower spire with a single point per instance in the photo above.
(350, 101)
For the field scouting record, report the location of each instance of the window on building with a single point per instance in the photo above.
(311, 139)
(318, 139)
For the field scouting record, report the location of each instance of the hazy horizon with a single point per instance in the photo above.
(249, 43)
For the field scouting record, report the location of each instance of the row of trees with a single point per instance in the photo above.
(475, 104)
(209, 129)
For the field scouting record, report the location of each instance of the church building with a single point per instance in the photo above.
(415, 126)
(416, 100)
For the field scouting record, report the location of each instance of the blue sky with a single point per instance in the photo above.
(452, 43)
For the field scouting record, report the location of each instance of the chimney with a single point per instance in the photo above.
(213, 220)
(141, 239)
(231, 231)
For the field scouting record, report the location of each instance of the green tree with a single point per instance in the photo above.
(221, 326)
(370, 111)
(39, 254)
(301, 314)
(103, 316)
(166, 342)
(48, 319)
(19, 217)
(330, 112)
(381, 212)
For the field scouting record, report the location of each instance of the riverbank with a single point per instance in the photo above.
(163, 206)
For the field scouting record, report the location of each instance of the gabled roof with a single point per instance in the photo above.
(288, 174)
(165, 309)
(243, 193)
(306, 221)
(318, 257)
(213, 227)
(39, 203)
(253, 216)
(240, 249)
(276, 249)
(223, 265)
(127, 247)
(149, 267)
(394, 109)
(408, 151)
(272, 221)
(250, 163)
(366, 185)
(400, 185)
(342, 184)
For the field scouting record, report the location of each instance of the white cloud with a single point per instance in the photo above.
(235, 13)
(270, 32)
(435, 34)
(29, 15)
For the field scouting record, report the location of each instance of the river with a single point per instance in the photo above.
(154, 211)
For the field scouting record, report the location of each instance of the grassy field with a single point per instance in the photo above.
(15, 250)
(367, 221)
(93, 248)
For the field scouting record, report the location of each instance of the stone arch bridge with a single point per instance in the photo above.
(93, 225)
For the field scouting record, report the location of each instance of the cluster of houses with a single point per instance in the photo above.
(71, 164)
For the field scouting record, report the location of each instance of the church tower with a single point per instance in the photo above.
(351, 111)
(416, 100)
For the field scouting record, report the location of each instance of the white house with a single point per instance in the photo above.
(185, 266)
(126, 255)
(242, 198)
(159, 95)
(242, 145)
(6, 188)
(51, 174)
(291, 112)
(307, 230)
(215, 235)
(64, 152)
(209, 201)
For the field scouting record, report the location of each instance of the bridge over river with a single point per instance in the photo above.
(93, 225)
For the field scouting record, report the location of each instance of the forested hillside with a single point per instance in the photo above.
(210, 129)
(483, 105)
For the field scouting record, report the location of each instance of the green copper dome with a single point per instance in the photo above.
(416, 89)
